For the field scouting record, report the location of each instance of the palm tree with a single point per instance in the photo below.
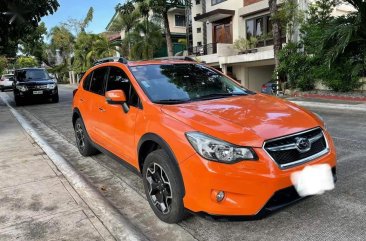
(127, 18)
(346, 37)
(146, 37)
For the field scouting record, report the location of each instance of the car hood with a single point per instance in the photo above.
(245, 120)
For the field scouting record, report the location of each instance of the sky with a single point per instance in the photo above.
(103, 13)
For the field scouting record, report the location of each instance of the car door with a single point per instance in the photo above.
(95, 102)
(120, 126)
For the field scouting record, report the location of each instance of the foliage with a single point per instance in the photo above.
(89, 48)
(3, 64)
(243, 44)
(19, 19)
(77, 26)
(146, 38)
(61, 40)
(332, 50)
(24, 62)
(290, 17)
(33, 43)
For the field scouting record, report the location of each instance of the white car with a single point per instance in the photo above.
(6, 82)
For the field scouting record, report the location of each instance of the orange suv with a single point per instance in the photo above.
(200, 141)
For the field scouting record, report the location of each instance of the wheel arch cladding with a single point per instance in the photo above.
(151, 142)
(75, 115)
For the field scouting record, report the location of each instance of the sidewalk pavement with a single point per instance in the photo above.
(329, 104)
(36, 201)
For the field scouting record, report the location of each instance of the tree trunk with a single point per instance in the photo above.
(276, 28)
(168, 37)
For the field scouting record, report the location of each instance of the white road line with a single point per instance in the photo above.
(109, 215)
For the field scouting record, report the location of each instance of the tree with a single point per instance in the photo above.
(277, 31)
(33, 43)
(3, 64)
(20, 18)
(77, 26)
(24, 62)
(128, 18)
(61, 40)
(145, 38)
(161, 8)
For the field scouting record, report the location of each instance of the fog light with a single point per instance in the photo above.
(220, 196)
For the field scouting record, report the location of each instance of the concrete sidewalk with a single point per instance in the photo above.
(36, 201)
(328, 104)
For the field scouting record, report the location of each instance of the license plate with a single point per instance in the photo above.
(38, 92)
(313, 180)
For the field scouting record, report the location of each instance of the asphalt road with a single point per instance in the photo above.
(336, 215)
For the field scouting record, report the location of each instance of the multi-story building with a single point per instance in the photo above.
(218, 23)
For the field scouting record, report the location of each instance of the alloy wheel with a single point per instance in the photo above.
(80, 136)
(160, 191)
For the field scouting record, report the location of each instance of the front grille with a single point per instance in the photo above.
(37, 87)
(298, 148)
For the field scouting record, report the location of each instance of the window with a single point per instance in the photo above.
(214, 2)
(180, 20)
(199, 43)
(97, 85)
(198, 2)
(118, 80)
(199, 30)
(86, 83)
(172, 83)
(261, 28)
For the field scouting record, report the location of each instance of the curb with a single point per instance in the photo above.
(109, 215)
(360, 107)
(331, 97)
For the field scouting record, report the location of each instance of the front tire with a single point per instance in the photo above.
(18, 101)
(163, 187)
(55, 99)
(83, 143)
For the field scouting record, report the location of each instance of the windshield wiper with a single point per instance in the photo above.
(218, 95)
(172, 101)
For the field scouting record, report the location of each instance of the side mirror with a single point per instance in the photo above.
(117, 97)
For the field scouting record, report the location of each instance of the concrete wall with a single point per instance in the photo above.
(173, 27)
(197, 37)
(253, 77)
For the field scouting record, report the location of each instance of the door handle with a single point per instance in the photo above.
(101, 109)
(82, 100)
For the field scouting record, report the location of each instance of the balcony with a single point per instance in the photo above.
(203, 49)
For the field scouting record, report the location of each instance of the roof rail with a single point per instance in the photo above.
(111, 59)
(186, 58)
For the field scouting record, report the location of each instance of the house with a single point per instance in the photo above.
(216, 24)
(178, 27)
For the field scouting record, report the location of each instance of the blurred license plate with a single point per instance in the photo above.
(38, 92)
(313, 180)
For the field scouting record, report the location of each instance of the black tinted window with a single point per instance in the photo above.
(118, 80)
(97, 85)
(86, 83)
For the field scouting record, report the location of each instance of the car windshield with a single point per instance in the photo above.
(32, 74)
(179, 83)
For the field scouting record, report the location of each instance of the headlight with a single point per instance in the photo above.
(51, 86)
(221, 151)
(22, 88)
(322, 120)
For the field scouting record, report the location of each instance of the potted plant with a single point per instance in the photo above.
(245, 46)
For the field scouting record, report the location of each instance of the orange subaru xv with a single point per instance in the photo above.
(201, 142)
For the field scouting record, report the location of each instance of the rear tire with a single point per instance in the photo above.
(163, 187)
(2, 89)
(83, 142)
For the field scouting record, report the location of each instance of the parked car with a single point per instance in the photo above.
(269, 88)
(200, 141)
(6, 82)
(34, 83)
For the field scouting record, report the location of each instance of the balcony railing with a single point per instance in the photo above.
(203, 49)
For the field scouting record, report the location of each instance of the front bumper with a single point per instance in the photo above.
(30, 94)
(252, 188)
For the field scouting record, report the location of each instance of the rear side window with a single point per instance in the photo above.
(87, 80)
(97, 85)
(118, 80)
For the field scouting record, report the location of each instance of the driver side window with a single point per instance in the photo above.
(118, 80)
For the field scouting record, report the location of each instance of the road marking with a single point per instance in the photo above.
(109, 215)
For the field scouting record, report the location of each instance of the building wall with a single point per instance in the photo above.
(173, 27)
(253, 77)
(197, 37)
